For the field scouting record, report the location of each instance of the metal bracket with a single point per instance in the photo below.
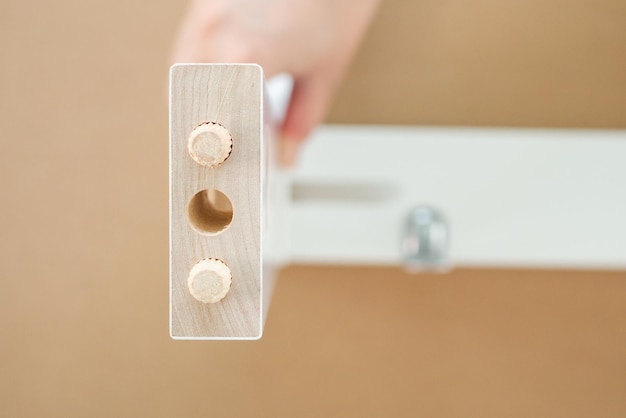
(424, 245)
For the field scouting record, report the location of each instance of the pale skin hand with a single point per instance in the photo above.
(313, 40)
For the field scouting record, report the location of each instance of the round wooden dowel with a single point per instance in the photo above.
(209, 280)
(210, 144)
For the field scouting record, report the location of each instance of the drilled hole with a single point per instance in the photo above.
(210, 212)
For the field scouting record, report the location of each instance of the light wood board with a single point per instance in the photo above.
(231, 95)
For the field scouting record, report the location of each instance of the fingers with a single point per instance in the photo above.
(310, 100)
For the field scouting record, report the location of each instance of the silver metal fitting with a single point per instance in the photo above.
(425, 241)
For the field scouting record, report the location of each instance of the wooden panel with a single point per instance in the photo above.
(231, 95)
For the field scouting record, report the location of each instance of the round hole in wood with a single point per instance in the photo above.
(210, 212)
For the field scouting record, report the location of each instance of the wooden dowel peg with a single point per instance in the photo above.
(210, 144)
(209, 280)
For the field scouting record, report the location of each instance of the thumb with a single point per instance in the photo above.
(309, 103)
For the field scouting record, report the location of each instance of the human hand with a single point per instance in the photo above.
(312, 40)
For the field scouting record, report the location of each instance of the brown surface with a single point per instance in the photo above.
(83, 156)
(522, 63)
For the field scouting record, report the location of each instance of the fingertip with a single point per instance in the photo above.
(307, 108)
(288, 152)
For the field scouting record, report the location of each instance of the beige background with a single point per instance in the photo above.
(83, 267)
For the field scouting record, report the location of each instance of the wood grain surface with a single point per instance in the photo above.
(83, 248)
(231, 95)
